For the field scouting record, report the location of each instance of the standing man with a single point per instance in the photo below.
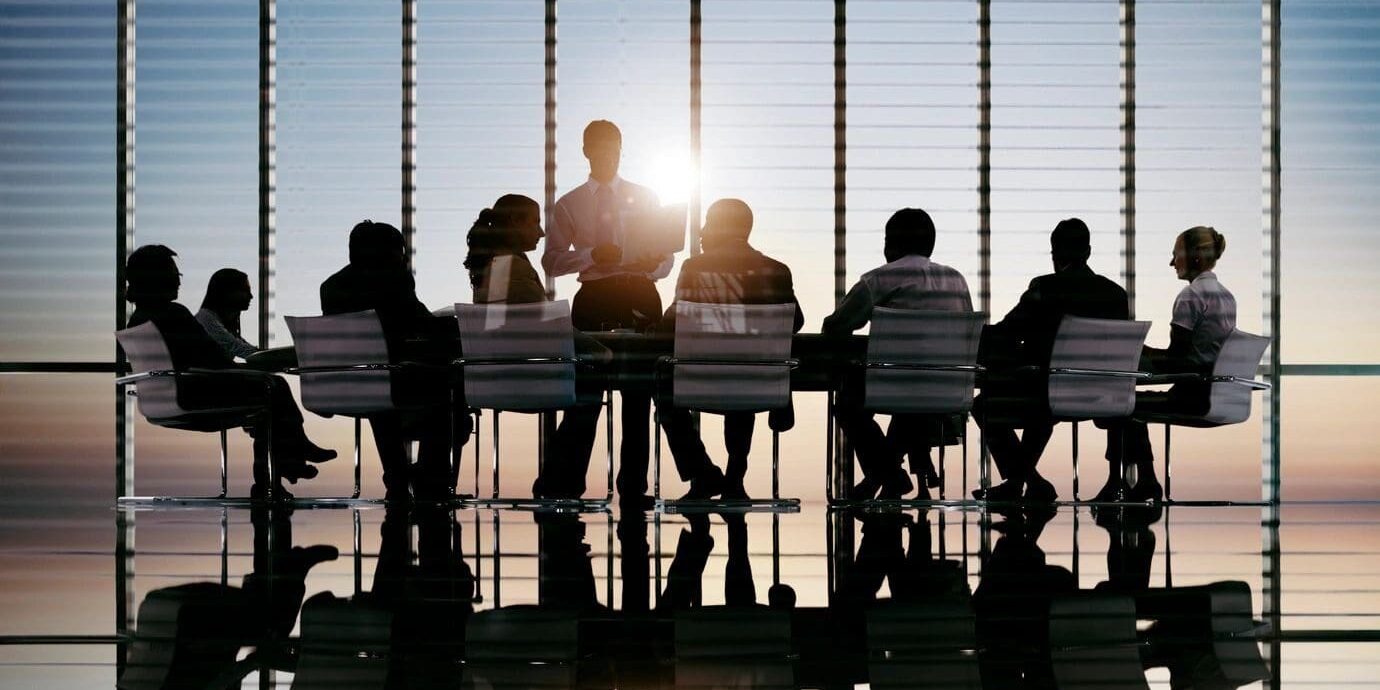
(589, 228)
(908, 280)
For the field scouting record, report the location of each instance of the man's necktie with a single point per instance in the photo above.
(605, 216)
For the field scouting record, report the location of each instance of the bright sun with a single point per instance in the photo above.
(672, 176)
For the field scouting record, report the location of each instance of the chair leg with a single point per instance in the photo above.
(1075, 461)
(495, 471)
(656, 457)
(477, 436)
(941, 459)
(963, 439)
(775, 465)
(608, 444)
(355, 493)
(830, 474)
(1167, 493)
(224, 451)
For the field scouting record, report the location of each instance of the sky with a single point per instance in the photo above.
(767, 138)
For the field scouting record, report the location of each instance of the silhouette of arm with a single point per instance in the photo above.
(559, 258)
(232, 344)
(787, 287)
(853, 312)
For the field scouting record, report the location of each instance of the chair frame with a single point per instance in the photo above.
(499, 501)
(259, 413)
(775, 502)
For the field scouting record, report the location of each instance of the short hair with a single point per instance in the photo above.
(370, 242)
(1203, 246)
(150, 272)
(1071, 240)
(600, 131)
(728, 218)
(911, 231)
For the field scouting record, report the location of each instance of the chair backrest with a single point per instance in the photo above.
(1093, 642)
(1101, 345)
(518, 332)
(147, 351)
(336, 341)
(927, 338)
(344, 644)
(523, 647)
(734, 334)
(733, 647)
(1229, 402)
(928, 644)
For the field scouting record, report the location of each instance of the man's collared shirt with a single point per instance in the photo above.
(910, 282)
(575, 228)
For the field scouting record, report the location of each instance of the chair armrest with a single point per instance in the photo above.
(189, 373)
(135, 378)
(673, 361)
(362, 367)
(1249, 383)
(902, 366)
(1108, 373)
(1161, 379)
(485, 361)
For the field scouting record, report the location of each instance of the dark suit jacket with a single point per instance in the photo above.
(188, 343)
(734, 273)
(1026, 334)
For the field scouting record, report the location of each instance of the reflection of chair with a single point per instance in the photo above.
(733, 647)
(1093, 370)
(1093, 643)
(521, 358)
(1229, 394)
(522, 647)
(923, 645)
(731, 358)
(162, 391)
(187, 636)
(345, 370)
(345, 644)
(923, 362)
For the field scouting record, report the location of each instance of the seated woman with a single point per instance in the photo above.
(228, 295)
(500, 273)
(1204, 315)
(152, 284)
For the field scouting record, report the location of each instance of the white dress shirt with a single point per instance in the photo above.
(1207, 310)
(576, 229)
(910, 282)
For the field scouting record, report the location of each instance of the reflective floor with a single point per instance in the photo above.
(1191, 597)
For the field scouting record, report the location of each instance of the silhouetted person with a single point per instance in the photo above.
(152, 284)
(913, 572)
(202, 626)
(909, 280)
(727, 271)
(501, 274)
(1025, 337)
(566, 571)
(228, 295)
(1204, 315)
(378, 278)
(589, 228)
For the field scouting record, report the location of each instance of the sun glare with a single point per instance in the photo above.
(672, 176)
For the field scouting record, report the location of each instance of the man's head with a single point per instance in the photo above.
(603, 148)
(1069, 244)
(151, 275)
(377, 245)
(726, 220)
(909, 231)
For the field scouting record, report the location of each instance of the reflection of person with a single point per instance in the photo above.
(1026, 337)
(728, 271)
(914, 574)
(587, 235)
(909, 280)
(1204, 315)
(153, 282)
(377, 278)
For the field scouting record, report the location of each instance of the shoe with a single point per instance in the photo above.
(734, 491)
(303, 471)
(705, 487)
(1038, 490)
(1005, 492)
(316, 454)
(1146, 490)
(636, 503)
(259, 492)
(897, 487)
(1111, 492)
(864, 490)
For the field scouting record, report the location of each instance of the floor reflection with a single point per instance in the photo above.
(435, 598)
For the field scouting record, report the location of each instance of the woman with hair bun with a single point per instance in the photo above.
(1204, 315)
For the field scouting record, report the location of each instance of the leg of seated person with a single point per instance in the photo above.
(633, 450)
(392, 450)
(1033, 442)
(431, 479)
(738, 428)
(1009, 458)
(692, 461)
(563, 475)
